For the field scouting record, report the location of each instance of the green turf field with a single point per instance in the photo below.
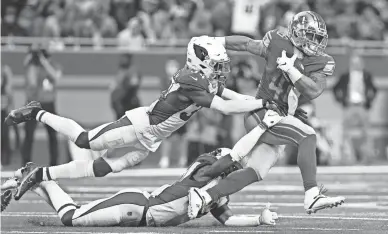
(365, 210)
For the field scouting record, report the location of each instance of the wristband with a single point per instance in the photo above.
(264, 103)
(294, 74)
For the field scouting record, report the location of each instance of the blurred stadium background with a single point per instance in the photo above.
(115, 52)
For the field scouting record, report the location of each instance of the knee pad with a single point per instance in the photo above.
(67, 218)
(101, 168)
(83, 141)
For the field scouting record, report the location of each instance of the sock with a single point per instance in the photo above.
(307, 161)
(43, 194)
(73, 169)
(61, 201)
(233, 183)
(65, 126)
(246, 144)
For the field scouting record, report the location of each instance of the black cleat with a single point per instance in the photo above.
(23, 114)
(28, 180)
(6, 198)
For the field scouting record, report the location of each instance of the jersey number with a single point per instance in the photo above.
(278, 87)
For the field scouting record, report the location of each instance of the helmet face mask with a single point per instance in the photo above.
(307, 31)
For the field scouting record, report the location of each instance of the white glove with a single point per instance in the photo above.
(271, 118)
(285, 63)
(268, 217)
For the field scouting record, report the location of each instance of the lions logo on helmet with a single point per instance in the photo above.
(208, 56)
(307, 31)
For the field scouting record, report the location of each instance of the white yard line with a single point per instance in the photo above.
(174, 172)
(51, 214)
(75, 232)
(237, 196)
(349, 188)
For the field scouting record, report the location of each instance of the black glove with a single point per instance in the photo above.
(301, 115)
(270, 105)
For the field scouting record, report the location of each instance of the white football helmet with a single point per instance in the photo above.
(207, 55)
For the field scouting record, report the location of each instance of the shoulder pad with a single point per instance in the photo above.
(193, 79)
(322, 63)
(329, 67)
(273, 35)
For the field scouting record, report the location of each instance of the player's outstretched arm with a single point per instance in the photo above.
(232, 95)
(242, 147)
(230, 107)
(225, 216)
(243, 43)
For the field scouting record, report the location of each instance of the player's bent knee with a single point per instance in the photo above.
(101, 168)
(309, 130)
(67, 218)
(83, 141)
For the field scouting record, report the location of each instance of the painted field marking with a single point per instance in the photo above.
(361, 187)
(257, 205)
(241, 231)
(175, 172)
(237, 196)
(52, 214)
(75, 232)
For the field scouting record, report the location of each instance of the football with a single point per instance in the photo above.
(298, 65)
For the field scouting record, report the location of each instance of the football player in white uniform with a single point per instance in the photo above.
(193, 87)
(166, 206)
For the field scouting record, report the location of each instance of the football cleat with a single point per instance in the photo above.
(6, 198)
(321, 201)
(196, 203)
(11, 183)
(23, 114)
(28, 179)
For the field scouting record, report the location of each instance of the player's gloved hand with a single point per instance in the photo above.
(268, 217)
(301, 115)
(285, 63)
(272, 106)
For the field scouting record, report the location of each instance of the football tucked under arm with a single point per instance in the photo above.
(309, 86)
(313, 86)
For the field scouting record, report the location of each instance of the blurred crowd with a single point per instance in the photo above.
(135, 22)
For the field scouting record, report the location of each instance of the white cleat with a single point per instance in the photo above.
(196, 203)
(320, 201)
(11, 183)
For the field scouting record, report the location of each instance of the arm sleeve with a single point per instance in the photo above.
(198, 95)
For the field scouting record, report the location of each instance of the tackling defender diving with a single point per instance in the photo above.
(166, 206)
(195, 86)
